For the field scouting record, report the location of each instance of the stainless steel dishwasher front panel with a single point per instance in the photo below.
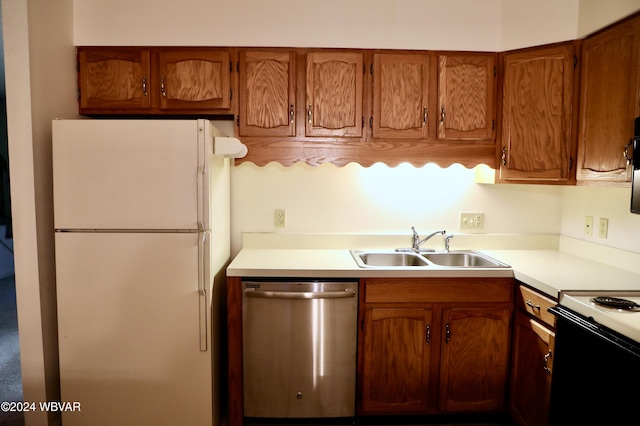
(299, 348)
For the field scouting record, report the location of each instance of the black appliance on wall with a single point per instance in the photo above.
(635, 178)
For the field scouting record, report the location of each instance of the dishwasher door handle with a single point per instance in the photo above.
(346, 293)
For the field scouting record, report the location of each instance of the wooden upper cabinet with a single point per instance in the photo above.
(267, 93)
(334, 94)
(609, 102)
(538, 106)
(194, 80)
(113, 79)
(154, 80)
(400, 95)
(466, 94)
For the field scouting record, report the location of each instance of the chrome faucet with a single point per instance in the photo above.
(416, 242)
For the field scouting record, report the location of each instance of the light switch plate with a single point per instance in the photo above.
(603, 229)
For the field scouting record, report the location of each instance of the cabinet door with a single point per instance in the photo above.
(397, 352)
(531, 372)
(194, 80)
(609, 101)
(537, 110)
(267, 93)
(466, 92)
(334, 94)
(474, 362)
(400, 95)
(113, 79)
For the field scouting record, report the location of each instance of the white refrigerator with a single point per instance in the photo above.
(142, 219)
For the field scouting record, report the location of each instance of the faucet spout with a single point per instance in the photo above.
(416, 242)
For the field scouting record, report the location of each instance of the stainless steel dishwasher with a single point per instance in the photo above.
(299, 348)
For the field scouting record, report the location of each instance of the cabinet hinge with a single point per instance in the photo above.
(238, 120)
(230, 67)
(371, 122)
(493, 124)
(575, 61)
(78, 94)
(238, 67)
(363, 121)
(495, 71)
(371, 68)
(570, 163)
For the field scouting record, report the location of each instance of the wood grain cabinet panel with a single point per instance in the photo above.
(158, 80)
(475, 359)
(537, 115)
(609, 102)
(334, 94)
(114, 79)
(531, 371)
(400, 95)
(396, 368)
(431, 354)
(466, 96)
(194, 80)
(267, 93)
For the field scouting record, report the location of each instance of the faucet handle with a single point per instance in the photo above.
(447, 239)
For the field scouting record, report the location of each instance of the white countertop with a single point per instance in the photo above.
(550, 271)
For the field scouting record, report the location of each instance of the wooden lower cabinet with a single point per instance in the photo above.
(436, 345)
(474, 359)
(532, 359)
(397, 345)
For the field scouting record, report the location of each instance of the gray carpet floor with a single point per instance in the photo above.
(10, 375)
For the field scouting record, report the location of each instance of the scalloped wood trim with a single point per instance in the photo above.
(391, 153)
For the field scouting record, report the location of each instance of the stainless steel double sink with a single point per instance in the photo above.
(411, 259)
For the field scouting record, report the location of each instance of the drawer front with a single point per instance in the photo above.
(535, 304)
(438, 290)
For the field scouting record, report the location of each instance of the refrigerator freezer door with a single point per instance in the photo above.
(129, 329)
(131, 174)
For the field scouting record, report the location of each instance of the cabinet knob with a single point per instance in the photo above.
(427, 338)
(144, 85)
(442, 115)
(309, 114)
(425, 115)
(447, 333)
(162, 88)
(291, 113)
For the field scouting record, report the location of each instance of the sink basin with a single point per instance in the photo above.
(463, 259)
(388, 259)
(459, 259)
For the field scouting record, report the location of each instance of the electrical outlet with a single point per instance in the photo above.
(281, 218)
(603, 229)
(588, 225)
(472, 221)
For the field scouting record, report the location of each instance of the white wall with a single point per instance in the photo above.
(595, 14)
(406, 24)
(381, 199)
(40, 81)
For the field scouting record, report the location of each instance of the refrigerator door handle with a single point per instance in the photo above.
(202, 290)
(204, 152)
